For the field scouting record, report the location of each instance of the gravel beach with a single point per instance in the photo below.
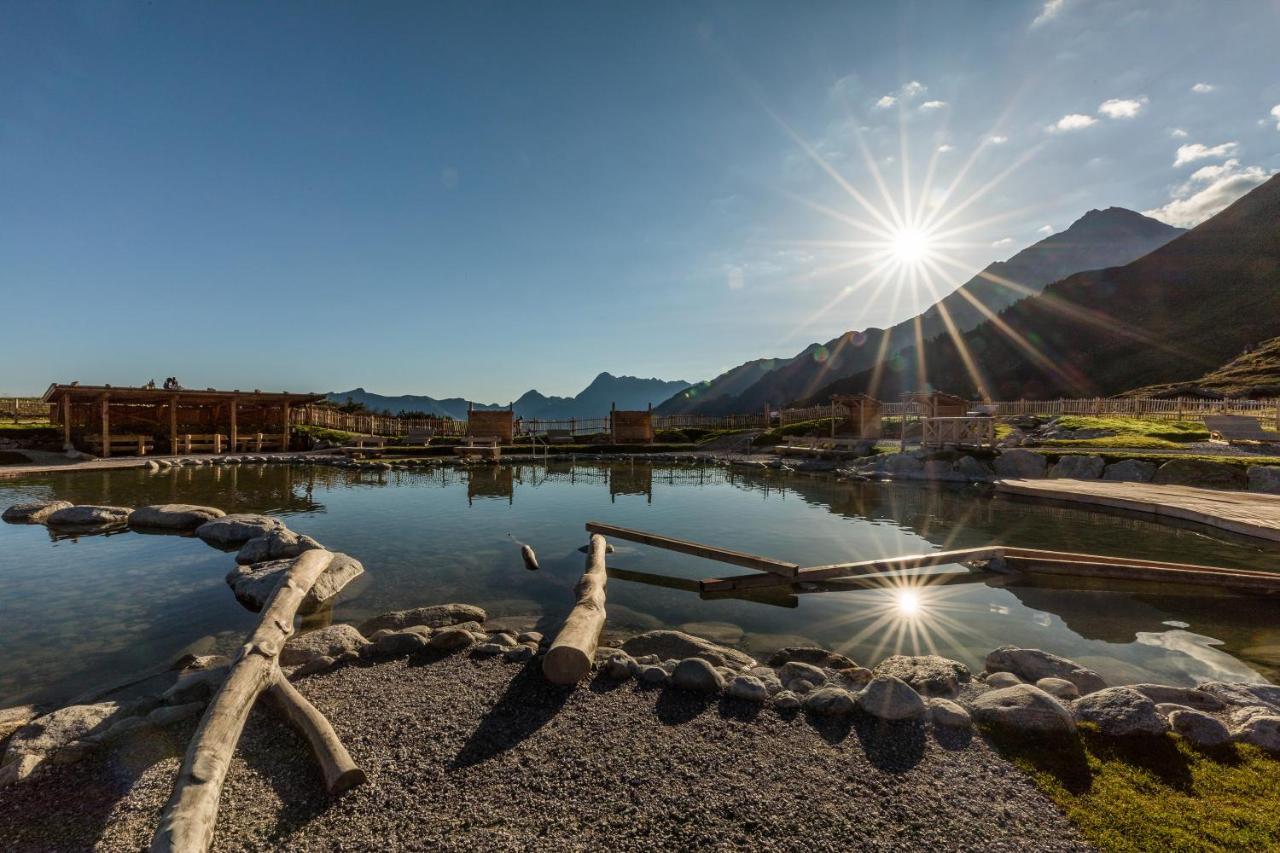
(472, 754)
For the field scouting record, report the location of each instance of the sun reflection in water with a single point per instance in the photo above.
(908, 602)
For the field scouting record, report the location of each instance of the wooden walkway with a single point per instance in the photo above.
(1246, 513)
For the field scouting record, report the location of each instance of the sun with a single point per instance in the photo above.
(911, 246)
(907, 602)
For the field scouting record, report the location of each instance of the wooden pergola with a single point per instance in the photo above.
(864, 414)
(137, 420)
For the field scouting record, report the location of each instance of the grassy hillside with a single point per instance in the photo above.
(1254, 373)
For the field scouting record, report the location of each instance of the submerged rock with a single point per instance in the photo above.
(173, 516)
(88, 516)
(434, 616)
(254, 585)
(678, 645)
(274, 546)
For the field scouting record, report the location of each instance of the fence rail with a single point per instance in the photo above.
(23, 409)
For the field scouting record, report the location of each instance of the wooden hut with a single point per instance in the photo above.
(626, 427)
(498, 424)
(863, 420)
(936, 404)
(105, 419)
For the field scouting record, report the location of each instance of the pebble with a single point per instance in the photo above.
(697, 675)
(748, 688)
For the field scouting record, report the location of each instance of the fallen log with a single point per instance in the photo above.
(340, 772)
(187, 822)
(697, 549)
(570, 657)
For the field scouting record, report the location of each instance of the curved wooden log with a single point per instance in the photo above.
(570, 657)
(186, 824)
(530, 558)
(340, 772)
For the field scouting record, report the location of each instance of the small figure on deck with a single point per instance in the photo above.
(171, 384)
(150, 384)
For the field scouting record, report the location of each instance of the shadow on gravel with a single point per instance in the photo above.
(680, 706)
(528, 703)
(283, 758)
(953, 738)
(894, 747)
(1062, 758)
(831, 729)
(739, 709)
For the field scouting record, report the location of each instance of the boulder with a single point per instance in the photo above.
(173, 516)
(1073, 466)
(253, 585)
(794, 671)
(679, 645)
(12, 719)
(329, 641)
(900, 465)
(748, 688)
(1261, 731)
(1243, 694)
(398, 643)
(33, 512)
(1034, 664)
(1264, 478)
(1059, 688)
(890, 698)
(450, 639)
(88, 516)
(974, 470)
(1129, 471)
(1023, 708)
(232, 531)
(940, 470)
(1200, 473)
(829, 702)
(1198, 727)
(1119, 712)
(785, 700)
(434, 616)
(948, 714)
(45, 736)
(274, 546)
(930, 675)
(1188, 697)
(1018, 464)
(810, 655)
(697, 675)
(997, 680)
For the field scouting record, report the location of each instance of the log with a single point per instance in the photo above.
(530, 558)
(570, 657)
(187, 822)
(340, 772)
(862, 567)
(697, 549)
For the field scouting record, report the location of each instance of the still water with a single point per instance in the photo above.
(83, 612)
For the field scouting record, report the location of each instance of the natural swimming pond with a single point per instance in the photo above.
(81, 612)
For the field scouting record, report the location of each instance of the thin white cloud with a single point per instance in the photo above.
(944, 148)
(1178, 133)
(1209, 190)
(1275, 114)
(1195, 151)
(1122, 107)
(997, 140)
(914, 89)
(1046, 230)
(1051, 10)
(1002, 242)
(1070, 122)
(886, 102)
(933, 105)
(906, 92)
(844, 86)
(1203, 88)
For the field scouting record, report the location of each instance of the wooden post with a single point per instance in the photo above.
(66, 419)
(284, 427)
(235, 435)
(106, 426)
(173, 425)
(570, 657)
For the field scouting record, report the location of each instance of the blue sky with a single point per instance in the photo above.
(473, 199)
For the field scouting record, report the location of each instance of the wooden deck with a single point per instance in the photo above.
(1246, 513)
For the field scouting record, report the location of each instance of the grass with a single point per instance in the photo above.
(1129, 432)
(820, 427)
(1155, 793)
(1158, 458)
(323, 433)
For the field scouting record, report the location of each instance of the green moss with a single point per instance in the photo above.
(324, 434)
(1155, 793)
(1173, 431)
(818, 427)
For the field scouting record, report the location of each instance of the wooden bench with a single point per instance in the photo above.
(139, 445)
(418, 438)
(480, 446)
(257, 442)
(559, 436)
(1238, 429)
(210, 442)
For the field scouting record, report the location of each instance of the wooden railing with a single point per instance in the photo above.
(23, 409)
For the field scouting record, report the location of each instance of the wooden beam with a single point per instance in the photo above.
(710, 552)
(235, 433)
(66, 419)
(863, 567)
(173, 426)
(1102, 567)
(106, 426)
(569, 659)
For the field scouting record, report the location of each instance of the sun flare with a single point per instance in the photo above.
(911, 246)
(907, 602)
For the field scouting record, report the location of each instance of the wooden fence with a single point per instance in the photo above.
(23, 409)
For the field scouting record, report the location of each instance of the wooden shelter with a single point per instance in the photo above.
(626, 427)
(106, 419)
(498, 424)
(936, 404)
(863, 420)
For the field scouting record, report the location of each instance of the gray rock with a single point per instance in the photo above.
(46, 735)
(196, 686)
(33, 512)
(748, 688)
(1241, 693)
(795, 670)
(254, 585)
(1018, 464)
(620, 666)
(451, 639)
(767, 677)
(14, 718)
(1186, 696)
(1075, 466)
(974, 470)
(318, 664)
(652, 674)
(698, 675)
(948, 714)
(1129, 471)
(785, 700)
(1201, 473)
(1023, 708)
(88, 516)
(890, 698)
(329, 641)
(679, 645)
(232, 531)
(810, 655)
(998, 680)
(930, 675)
(488, 649)
(1199, 728)
(519, 654)
(1261, 731)
(173, 516)
(941, 470)
(168, 714)
(530, 637)
(900, 465)
(1059, 688)
(501, 638)
(395, 644)
(1265, 479)
(434, 616)
(275, 545)
(1034, 664)
(1119, 712)
(829, 702)
(801, 686)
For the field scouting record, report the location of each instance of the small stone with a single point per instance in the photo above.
(1059, 688)
(998, 680)
(397, 644)
(507, 641)
(785, 700)
(829, 702)
(488, 649)
(434, 616)
(1199, 728)
(1261, 731)
(948, 714)
(620, 666)
(890, 698)
(748, 688)
(450, 639)
(519, 654)
(793, 670)
(1119, 712)
(379, 634)
(530, 637)
(330, 641)
(697, 675)
(318, 664)
(800, 686)
(810, 655)
(652, 674)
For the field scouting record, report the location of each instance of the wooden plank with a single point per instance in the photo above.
(1258, 582)
(1035, 553)
(862, 567)
(710, 552)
